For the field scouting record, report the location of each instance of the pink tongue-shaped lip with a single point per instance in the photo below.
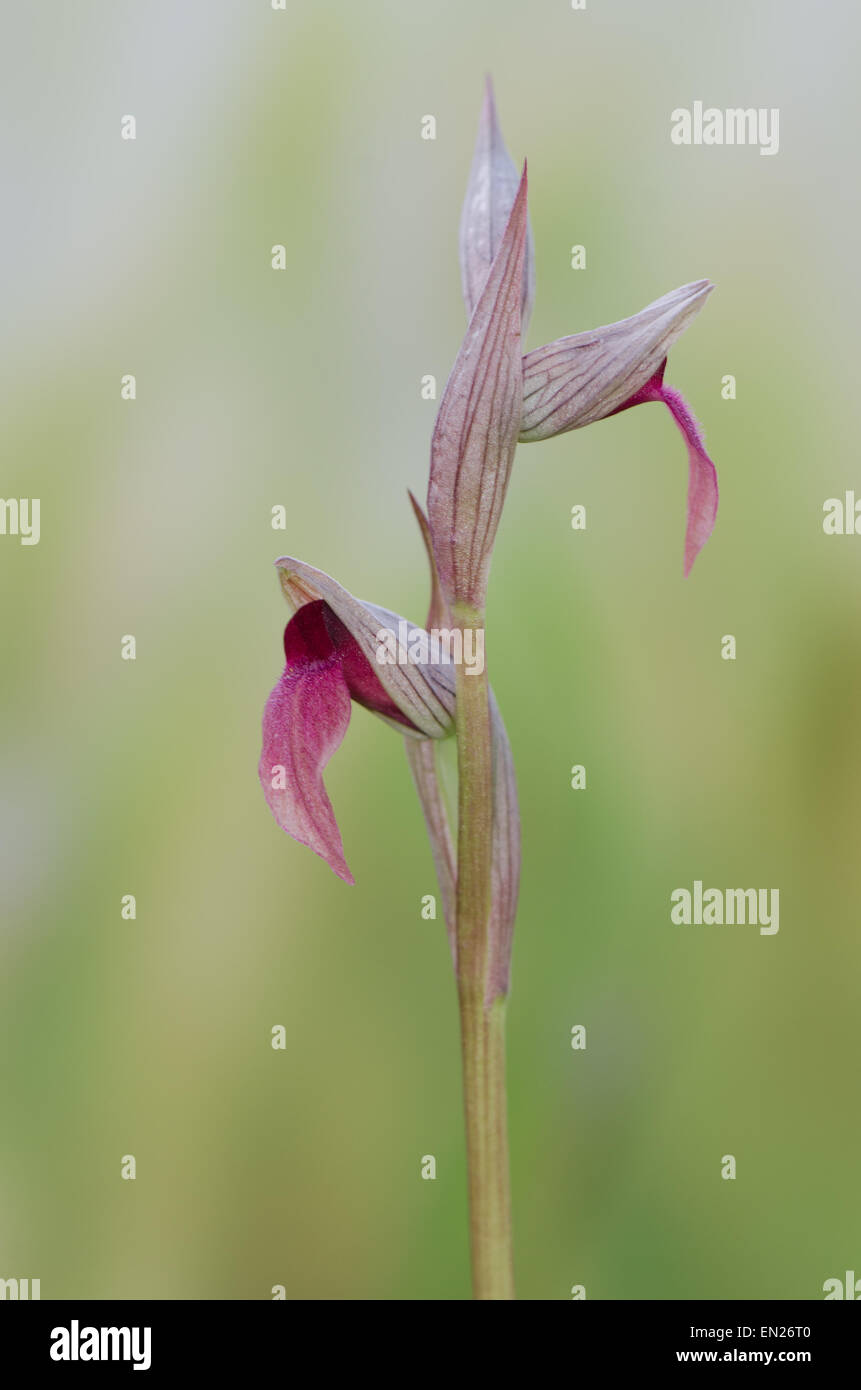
(702, 475)
(315, 633)
(304, 723)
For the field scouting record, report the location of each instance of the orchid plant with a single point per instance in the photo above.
(495, 398)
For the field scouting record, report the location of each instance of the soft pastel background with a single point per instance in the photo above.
(152, 1037)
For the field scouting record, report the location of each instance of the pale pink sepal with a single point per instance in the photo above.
(476, 429)
(490, 194)
(588, 376)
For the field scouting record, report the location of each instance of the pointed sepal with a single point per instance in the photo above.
(476, 429)
(490, 194)
(577, 380)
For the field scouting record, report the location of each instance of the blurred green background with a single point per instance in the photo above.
(152, 1037)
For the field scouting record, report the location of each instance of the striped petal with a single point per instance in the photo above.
(476, 429)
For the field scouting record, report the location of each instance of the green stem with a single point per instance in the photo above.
(422, 758)
(482, 1029)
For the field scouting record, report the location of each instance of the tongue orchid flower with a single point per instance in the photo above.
(331, 651)
(576, 380)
